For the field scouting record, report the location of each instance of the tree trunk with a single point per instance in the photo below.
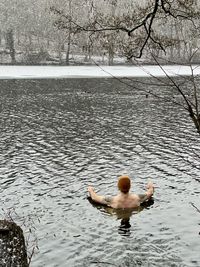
(90, 52)
(68, 48)
(69, 34)
(110, 54)
(48, 43)
(10, 45)
(60, 52)
(30, 40)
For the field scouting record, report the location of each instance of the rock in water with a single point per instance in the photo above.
(12, 245)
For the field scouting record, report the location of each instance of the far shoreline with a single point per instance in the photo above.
(94, 71)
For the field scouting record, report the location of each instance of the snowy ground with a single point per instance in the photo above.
(29, 72)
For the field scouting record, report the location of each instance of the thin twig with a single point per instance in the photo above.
(197, 209)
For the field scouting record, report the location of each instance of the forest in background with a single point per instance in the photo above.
(87, 31)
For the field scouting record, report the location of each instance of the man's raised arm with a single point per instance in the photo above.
(148, 194)
(99, 199)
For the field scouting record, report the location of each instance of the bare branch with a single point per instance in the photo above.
(197, 209)
(153, 11)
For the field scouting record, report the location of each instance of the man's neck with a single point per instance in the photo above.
(124, 194)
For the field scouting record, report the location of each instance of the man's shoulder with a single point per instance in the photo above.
(135, 196)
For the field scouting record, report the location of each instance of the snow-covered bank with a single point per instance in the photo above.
(42, 72)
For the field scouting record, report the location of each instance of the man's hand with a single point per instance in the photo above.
(150, 189)
(148, 194)
(99, 199)
(90, 189)
(150, 185)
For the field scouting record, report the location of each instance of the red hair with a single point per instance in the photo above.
(124, 184)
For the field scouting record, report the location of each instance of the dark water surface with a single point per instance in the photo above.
(59, 136)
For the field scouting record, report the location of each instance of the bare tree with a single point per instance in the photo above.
(142, 22)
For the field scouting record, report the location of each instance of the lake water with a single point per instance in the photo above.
(59, 136)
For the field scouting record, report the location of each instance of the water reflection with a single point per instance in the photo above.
(123, 215)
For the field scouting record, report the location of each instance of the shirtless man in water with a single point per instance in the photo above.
(124, 200)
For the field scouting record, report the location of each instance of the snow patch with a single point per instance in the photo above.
(44, 72)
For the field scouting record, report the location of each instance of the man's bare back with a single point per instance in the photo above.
(124, 200)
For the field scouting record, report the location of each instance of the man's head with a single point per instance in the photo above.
(124, 184)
